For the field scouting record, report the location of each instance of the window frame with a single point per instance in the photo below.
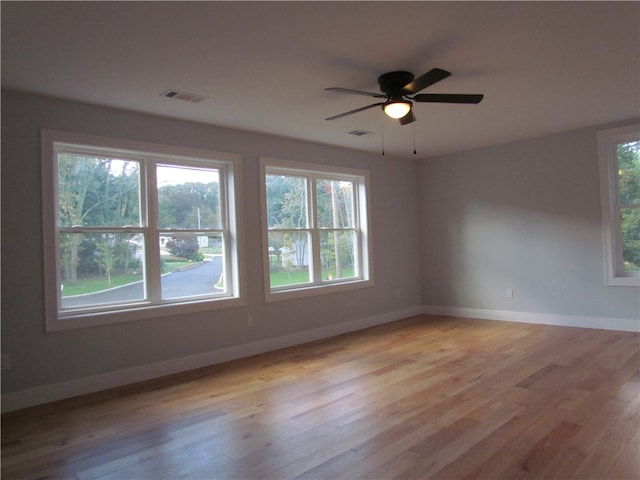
(608, 141)
(150, 155)
(362, 226)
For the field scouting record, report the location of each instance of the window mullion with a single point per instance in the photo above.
(227, 254)
(152, 236)
(358, 260)
(315, 267)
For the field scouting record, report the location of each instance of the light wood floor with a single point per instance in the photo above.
(425, 397)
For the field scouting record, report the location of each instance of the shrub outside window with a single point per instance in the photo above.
(135, 230)
(315, 229)
(619, 153)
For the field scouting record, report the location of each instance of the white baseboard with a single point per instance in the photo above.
(624, 324)
(59, 391)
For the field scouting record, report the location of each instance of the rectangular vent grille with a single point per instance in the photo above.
(187, 97)
(359, 133)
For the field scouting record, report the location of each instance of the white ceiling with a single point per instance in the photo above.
(544, 67)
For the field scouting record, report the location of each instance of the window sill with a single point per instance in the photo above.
(623, 282)
(70, 320)
(314, 290)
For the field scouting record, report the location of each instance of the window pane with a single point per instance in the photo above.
(97, 192)
(629, 173)
(192, 264)
(188, 197)
(630, 229)
(337, 254)
(286, 202)
(335, 204)
(288, 258)
(99, 269)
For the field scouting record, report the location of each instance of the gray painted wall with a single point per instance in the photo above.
(39, 358)
(526, 216)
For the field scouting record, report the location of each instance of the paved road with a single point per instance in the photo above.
(198, 280)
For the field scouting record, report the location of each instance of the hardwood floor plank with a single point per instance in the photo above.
(467, 433)
(544, 451)
(627, 465)
(616, 437)
(426, 397)
(522, 432)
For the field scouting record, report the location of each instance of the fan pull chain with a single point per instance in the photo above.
(414, 138)
(382, 129)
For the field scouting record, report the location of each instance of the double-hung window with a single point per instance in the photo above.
(619, 152)
(135, 230)
(315, 223)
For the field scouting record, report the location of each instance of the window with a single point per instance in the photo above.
(315, 229)
(135, 230)
(619, 152)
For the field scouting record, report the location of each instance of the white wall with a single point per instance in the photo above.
(41, 361)
(525, 216)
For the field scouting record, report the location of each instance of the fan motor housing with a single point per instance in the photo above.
(391, 83)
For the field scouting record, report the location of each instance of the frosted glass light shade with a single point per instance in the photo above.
(397, 109)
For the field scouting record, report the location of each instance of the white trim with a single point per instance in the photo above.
(59, 391)
(608, 141)
(604, 323)
(312, 168)
(229, 165)
(362, 198)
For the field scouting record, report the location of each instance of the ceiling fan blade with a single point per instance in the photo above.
(408, 118)
(350, 112)
(355, 92)
(448, 97)
(432, 76)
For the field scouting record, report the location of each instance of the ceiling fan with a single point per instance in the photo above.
(400, 89)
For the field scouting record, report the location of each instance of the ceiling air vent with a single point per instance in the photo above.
(187, 97)
(359, 133)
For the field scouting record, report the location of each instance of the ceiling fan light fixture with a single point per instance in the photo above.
(397, 109)
(400, 89)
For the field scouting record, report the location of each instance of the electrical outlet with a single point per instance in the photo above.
(5, 361)
(509, 292)
(249, 320)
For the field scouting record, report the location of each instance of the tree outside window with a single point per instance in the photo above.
(316, 234)
(628, 156)
(127, 230)
(619, 154)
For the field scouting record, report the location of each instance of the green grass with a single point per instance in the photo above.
(278, 279)
(174, 265)
(96, 284)
(296, 277)
(211, 250)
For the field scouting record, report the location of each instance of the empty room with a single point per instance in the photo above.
(320, 240)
